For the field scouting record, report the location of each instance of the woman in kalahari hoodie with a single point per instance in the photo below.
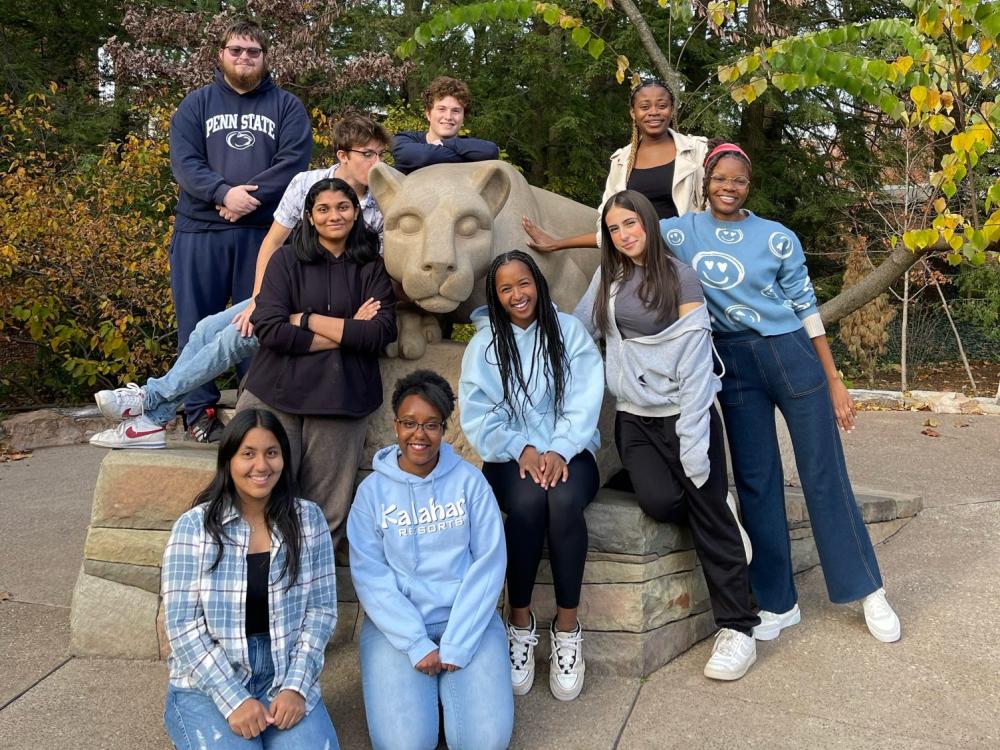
(428, 561)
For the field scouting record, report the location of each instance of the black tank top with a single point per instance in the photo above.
(657, 184)
(258, 568)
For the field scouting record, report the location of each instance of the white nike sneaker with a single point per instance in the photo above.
(566, 665)
(732, 655)
(881, 619)
(136, 432)
(521, 644)
(121, 403)
(772, 623)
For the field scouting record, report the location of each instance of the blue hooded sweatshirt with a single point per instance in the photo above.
(426, 550)
(496, 433)
(220, 138)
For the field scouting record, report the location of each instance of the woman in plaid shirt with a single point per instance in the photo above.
(250, 601)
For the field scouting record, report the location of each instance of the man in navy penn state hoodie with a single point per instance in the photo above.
(234, 147)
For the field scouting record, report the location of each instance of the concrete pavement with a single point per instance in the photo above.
(824, 683)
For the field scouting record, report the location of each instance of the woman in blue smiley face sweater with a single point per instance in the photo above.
(772, 342)
(428, 561)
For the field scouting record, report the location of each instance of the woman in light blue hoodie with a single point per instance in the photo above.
(530, 394)
(650, 310)
(427, 561)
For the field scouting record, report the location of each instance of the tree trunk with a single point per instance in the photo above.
(872, 285)
(663, 67)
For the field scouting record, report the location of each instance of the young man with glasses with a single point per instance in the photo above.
(226, 338)
(234, 146)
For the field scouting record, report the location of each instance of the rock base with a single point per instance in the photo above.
(644, 599)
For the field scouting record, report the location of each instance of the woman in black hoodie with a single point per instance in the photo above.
(317, 368)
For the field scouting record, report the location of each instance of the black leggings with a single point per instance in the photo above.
(650, 451)
(532, 513)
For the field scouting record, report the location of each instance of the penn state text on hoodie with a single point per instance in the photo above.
(496, 433)
(427, 550)
(220, 138)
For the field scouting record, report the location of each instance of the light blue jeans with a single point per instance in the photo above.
(215, 346)
(402, 703)
(195, 723)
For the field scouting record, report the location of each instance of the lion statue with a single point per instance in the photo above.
(445, 223)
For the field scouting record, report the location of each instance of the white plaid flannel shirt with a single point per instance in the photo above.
(205, 613)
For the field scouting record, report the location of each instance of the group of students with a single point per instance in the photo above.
(248, 576)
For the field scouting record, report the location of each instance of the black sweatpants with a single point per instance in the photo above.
(650, 451)
(534, 514)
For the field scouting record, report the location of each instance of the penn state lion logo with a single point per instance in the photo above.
(241, 140)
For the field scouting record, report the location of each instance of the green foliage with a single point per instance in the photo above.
(979, 303)
(930, 73)
(83, 264)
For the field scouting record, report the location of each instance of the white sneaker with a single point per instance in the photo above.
(772, 623)
(747, 549)
(121, 403)
(521, 643)
(136, 432)
(880, 617)
(732, 655)
(566, 664)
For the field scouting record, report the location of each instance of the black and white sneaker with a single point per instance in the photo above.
(521, 643)
(207, 428)
(566, 664)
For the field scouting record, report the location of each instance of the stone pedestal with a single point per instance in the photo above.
(644, 599)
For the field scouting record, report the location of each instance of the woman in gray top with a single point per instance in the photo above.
(650, 310)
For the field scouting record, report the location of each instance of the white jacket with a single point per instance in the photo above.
(688, 174)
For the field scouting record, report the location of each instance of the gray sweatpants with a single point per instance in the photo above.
(326, 456)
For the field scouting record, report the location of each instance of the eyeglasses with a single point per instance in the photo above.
(739, 182)
(369, 154)
(252, 52)
(430, 428)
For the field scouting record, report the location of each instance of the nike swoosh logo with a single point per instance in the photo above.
(128, 413)
(131, 432)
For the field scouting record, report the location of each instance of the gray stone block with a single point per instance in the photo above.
(633, 607)
(145, 577)
(616, 524)
(627, 568)
(110, 619)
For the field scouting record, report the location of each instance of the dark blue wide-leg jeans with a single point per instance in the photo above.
(764, 372)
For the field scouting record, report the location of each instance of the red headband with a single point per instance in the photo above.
(727, 147)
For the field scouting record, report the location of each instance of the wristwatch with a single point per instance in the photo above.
(304, 321)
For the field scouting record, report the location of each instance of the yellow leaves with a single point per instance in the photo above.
(728, 74)
(903, 64)
(717, 12)
(978, 133)
(750, 92)
(567, 21)
(622, 64)
(941, 123)
(978, 63)
(919, 95)
(940, 204)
